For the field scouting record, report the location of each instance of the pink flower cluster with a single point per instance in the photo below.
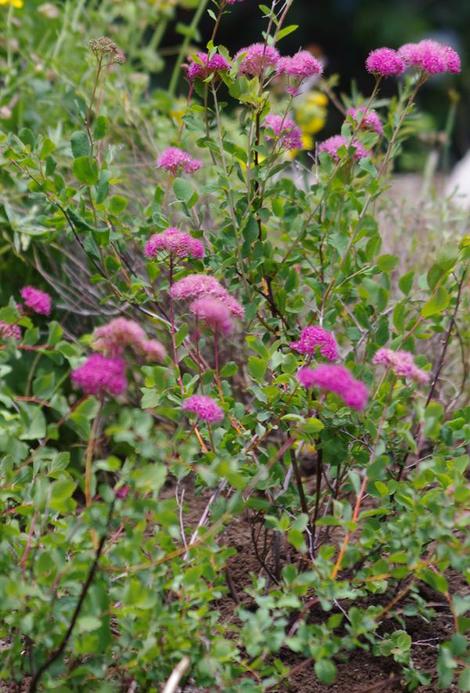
(120, 333)
(336, 379)
(431, 57)
(204, 407)
(232, 2)
(8, 331)
(213, 313)
(402, 363)
(175, 242)
(332, 145)
(101, 375)
(385, 62)
(204, 65)
(301, 65)
(197, 285)
(175, 160)
(366, 118)
(313, 338)
(257, 58)
(36, 300)
(285, 130)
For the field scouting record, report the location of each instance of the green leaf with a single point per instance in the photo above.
(183, 189)
(117, 204)
(286, 31)
(80, 144)
(101, 127)
(150, 478)
(436, 304)
(86, 170)
(386, 263)
(257, 367)
(406, 282)
(325, 670)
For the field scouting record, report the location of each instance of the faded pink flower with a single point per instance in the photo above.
(335, 379)
(175, 160)
(368, 119)
(402, 363)
(385, 62)
(213, 313)
(257, 58)
(175, 242)
(120, 333)
(100, 375)
(36, 300)
(301, 65)
(431, 57)
(8, 331)
(313, 338)
(204, 65)
(196, 285)
(204, 407)
(232, 2)
(285, 130)
(333, 144)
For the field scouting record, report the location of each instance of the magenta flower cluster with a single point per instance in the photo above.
(431, 57)
(196, 285)
(336, 379)
(401, 363)
(8, 331)
(36, 300)
(301, 65)
(286, 132)
(213, 313)
(257, 58)
(100, 374)
(176, 243)
(204, 407)
(332, 145)
(176, 160)
(203, 65)
(315, 338)
(113, 338)
(368, 119)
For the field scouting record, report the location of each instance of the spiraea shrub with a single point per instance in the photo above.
(232, 429)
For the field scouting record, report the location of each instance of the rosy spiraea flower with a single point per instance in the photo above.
(257, 58)
(203, 65)
(9, 331)
(113, 338)
(367, 119)
(213, 313)
(333, 144)
(336, 379)
(36, 300)
(286, 132)
(204, 407)
(232, 2)
(300, 66)
(100, 375)
(431, 57)
(385, 62)
(313, 338)
(196, 285)
(176, 243)
(175, 160)
(401, 363)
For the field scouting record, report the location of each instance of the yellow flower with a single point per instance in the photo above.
(14, 3)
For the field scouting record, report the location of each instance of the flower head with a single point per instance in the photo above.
(255, 59)
(175, 242)
(385, 62)
(313, 338)
(100, 375)
(431, 57)
(38, 301)
(204, 407)
(175, 160)
(333, 144)
(204, 65)
(368, 119)
(213, 313)
(335, 379)
(17, 4)
(285, 130)
(196, 285)
(301, 65)
(8, 331)
(120, 333)
(402, 363)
